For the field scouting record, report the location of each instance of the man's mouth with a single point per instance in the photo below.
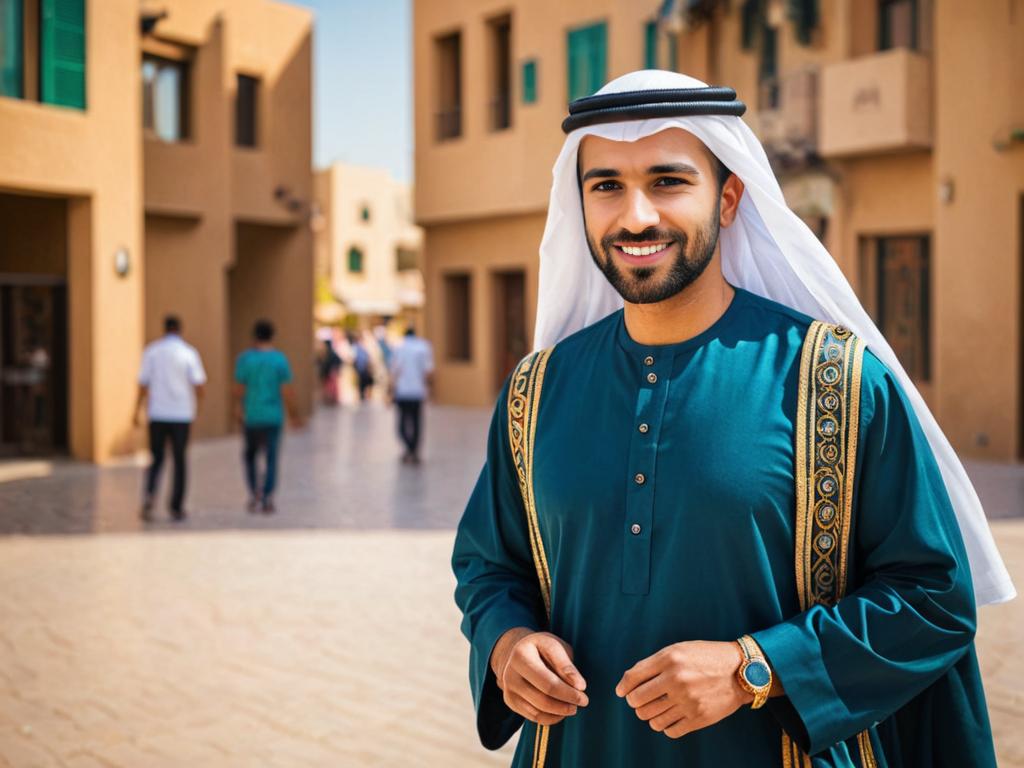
(642, 253)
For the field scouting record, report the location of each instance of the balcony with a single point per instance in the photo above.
(875, 104)
(787, 117)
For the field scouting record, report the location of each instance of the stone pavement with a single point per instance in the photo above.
(324, 635)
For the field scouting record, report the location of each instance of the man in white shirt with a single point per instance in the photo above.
(412, 375)
(171, 379)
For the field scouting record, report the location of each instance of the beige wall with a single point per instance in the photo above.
(480, 248)
(92, 158)
(199, 189)
(342, 193)
(948, 113)
(191, 194)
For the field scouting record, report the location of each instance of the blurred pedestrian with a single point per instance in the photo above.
(363, 366)
(262, 392)
(330, 369)
(171, 382)
(412, 375)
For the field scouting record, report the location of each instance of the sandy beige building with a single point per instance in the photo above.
(152, 161)
(367, 246)
(892, 123)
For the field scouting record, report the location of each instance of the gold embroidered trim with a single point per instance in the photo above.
(523, 407)
(827, 423)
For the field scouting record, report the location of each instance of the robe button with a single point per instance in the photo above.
(652, 377)
(643, 429)
(640, 479)
(635, 529)
(648, 360)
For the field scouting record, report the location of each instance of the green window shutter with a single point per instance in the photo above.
(587, 60)
(62, 52)
(355, 259)
(651, 45)
(673, 51)
(529, 81)
(11, 51)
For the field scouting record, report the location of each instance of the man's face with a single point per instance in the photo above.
(651, 209)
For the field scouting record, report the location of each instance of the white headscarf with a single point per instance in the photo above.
(768, 251)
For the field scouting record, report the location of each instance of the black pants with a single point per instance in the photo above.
(159, 433)
(409, 412)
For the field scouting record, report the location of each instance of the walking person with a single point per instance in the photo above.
(412, 373)
(330, 369)
(262, 392)
(363, 366)
(171, 384)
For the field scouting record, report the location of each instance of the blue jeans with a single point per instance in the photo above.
(261, 437)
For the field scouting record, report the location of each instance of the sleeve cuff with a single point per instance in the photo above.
(811, 712)
(495, 722)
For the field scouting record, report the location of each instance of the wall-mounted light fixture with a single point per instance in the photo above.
(122, 262)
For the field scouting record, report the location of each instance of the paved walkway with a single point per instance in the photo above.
(243, 640)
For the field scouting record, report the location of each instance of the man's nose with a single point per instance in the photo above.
(640, 213)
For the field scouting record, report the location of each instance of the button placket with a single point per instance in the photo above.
(639, 512)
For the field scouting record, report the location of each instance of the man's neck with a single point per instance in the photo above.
(683, 316)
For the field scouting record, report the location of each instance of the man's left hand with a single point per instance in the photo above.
(685, 687)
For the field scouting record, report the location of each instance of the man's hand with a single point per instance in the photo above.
(685, 687)
(536, 674)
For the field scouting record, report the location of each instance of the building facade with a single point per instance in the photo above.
(152, 162)
(368, 247)
(891, 124)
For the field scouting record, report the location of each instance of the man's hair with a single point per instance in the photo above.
(722, 172)
(172, 324)
(263, 330)
(410, 331)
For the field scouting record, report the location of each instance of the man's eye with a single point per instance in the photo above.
(606, 186)
(670, 181)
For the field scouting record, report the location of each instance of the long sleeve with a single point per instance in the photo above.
(497, 586)
(910, 613)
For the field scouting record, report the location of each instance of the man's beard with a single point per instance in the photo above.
(689, 264)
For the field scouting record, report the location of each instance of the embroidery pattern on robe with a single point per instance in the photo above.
(827, 423)
(523, 406)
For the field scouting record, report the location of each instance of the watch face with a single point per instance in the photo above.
(756, 674)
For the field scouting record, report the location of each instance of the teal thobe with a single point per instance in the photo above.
(701, 547)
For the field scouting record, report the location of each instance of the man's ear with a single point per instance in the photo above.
(732, 193)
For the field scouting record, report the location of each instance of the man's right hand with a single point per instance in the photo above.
(536, 674)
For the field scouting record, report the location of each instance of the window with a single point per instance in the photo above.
(12, 74)
(246, 106)
(895, 283)
(355, 260)
(458, 317)
(768, 82)
(364, 213)
(62, 52)
(587, 59)
(406, 260)
(449, 108)
(651, 45)
(529, 81)
(897, 24)
(500, 31)
(165, 98)
(673, 51)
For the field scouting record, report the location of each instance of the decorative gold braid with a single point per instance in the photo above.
(827, 423)
(523, 406)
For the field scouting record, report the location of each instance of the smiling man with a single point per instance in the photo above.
(712, 529)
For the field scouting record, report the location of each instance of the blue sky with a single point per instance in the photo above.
(362, 83)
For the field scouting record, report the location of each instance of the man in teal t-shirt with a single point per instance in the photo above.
(262, 392)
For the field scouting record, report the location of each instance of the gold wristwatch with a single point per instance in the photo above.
(755, 676)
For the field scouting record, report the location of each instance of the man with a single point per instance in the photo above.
(412, 374)
(262, 392)
(171, 381)
(721, 536)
